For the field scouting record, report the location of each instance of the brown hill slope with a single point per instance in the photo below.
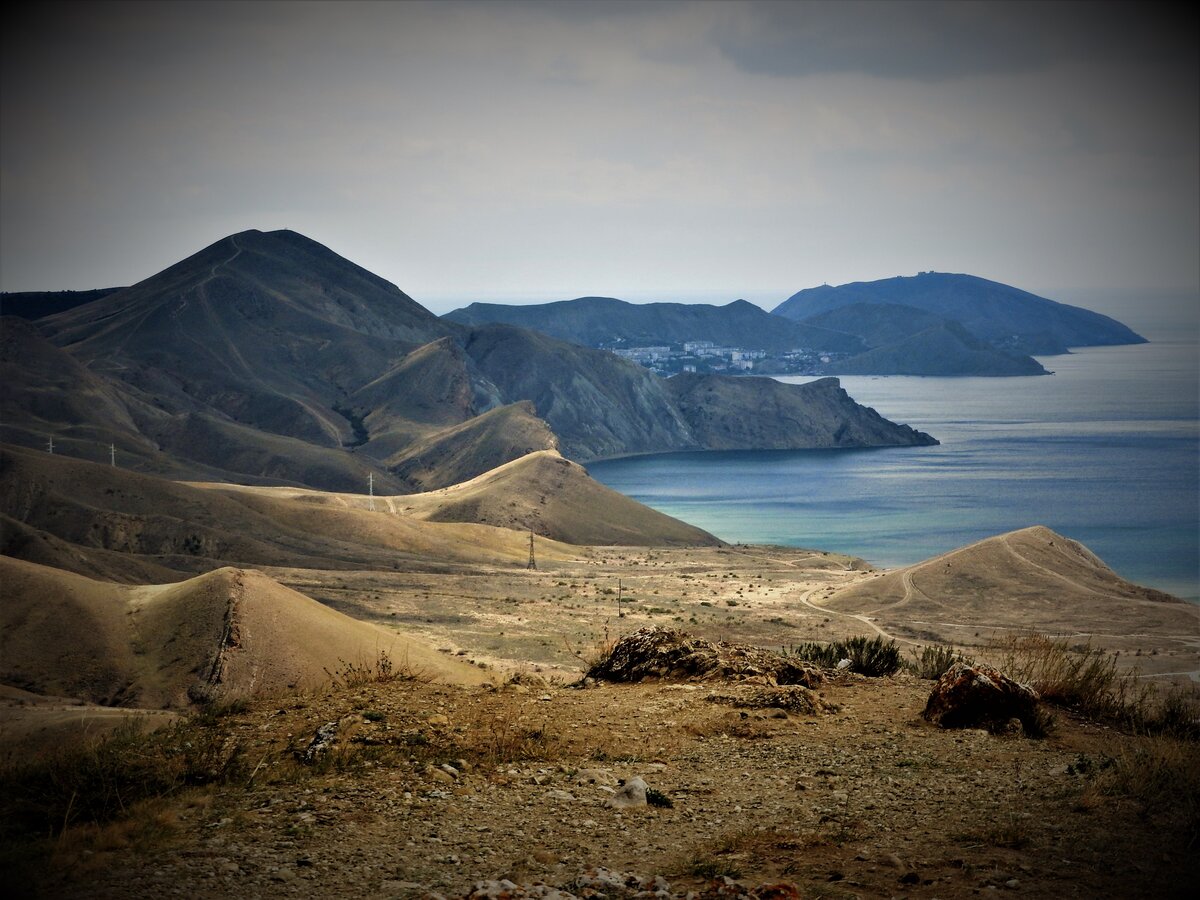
(92, 510)
(1027, 579)
(478, 445)
(547, 493)
(225, 634)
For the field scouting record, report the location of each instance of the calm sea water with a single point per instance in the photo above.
(1105, 451)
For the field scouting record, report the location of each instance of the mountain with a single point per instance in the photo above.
(1004, 316)
(268, 359)
(605, 321)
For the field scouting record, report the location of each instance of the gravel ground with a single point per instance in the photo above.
(432, 790)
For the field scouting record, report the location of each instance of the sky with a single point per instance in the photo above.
(523, 151)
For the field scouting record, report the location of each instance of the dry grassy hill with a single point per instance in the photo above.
(549, 494)
(226, 634)
(78, 515)
(1033, 578)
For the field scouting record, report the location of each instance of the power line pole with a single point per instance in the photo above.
(532, 561)
(620, 614)
(112, 455)
(371, 489)
(51, 447)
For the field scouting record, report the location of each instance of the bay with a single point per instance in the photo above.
(1105, 451)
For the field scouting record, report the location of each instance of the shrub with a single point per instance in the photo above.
(934, 660)
(100, 781)
(873, 657)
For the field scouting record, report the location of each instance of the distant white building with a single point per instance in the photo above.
(694, 346)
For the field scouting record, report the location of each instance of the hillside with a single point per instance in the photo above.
(732, 413)
(1029, 579)
(36, 304)
(104, 521)
(225, 634)
(608, 322)
(943, 349)
(1007, 317)
(544, 492)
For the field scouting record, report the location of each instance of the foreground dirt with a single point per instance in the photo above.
(866, 801)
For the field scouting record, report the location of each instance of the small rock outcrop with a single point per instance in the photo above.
(668, 654)
(974, 695)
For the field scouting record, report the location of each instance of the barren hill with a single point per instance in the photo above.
(1027, 579)
(544, 492)
(90, 518)
(224, 634)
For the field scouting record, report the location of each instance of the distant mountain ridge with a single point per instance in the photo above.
(268, 359)
(606, 321)
(1007, 317)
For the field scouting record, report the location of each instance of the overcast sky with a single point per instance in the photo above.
(675, 151)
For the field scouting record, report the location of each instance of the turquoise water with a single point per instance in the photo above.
(1105, 451)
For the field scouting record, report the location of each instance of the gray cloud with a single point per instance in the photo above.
(491, 150)
(934, 41)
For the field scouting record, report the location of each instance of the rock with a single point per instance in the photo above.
(321, 743)
(844, 664)
(560, 795)
(976, 695)
(631, 794)
(596, 776)
(449, 770)
(438, 720)
(442, 776)
(783, 699)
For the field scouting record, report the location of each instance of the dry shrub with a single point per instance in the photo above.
(934, 661)
(1162, 774)
(382, 671)
(103, 781)
(1085, 680)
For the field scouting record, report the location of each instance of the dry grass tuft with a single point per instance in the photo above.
(1085, 679)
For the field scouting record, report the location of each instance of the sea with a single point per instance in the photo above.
(1105, 451)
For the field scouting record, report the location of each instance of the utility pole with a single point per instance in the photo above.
(112, 455)
(620, 614)
(51, 444)
(371, 489)
(532, 562)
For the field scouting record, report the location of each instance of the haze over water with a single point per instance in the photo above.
(1106, 451)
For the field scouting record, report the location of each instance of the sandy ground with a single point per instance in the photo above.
(554, 617)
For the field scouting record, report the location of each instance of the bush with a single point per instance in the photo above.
(934, 660)
(101, 781)
(1085, 679)
(873, 657)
